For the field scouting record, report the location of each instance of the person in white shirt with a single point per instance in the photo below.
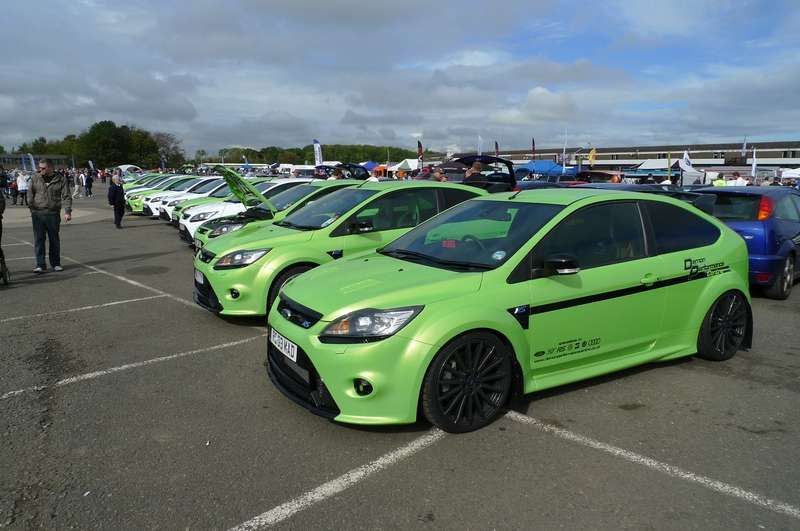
(80, 182)
(22, 189)
(738, 180)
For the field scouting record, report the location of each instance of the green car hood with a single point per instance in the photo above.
(242, 189)
(197, 201)
(376, 281)
(270, 236)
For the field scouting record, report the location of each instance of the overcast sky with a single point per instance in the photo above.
(281, 72)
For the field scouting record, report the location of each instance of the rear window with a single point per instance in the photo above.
(732, 207)
(677, 229)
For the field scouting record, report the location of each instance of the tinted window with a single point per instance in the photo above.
(731, 207)
(325, 211)
(677, 229)
(225, 191)
(796, 201)
(453, 196)
(785, 209)
(596, 236)
(399, 210)
(206, 186)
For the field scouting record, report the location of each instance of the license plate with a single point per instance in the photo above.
(198, 277)
(286, 347)
(198, 244)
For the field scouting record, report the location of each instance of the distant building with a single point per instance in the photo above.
(769, 154)
(15, 160)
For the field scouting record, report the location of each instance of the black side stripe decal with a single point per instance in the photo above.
(624, 292)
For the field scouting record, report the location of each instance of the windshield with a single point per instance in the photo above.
(287, 198)
(325, 211)
(206, 186)
(223, 192)
(184, 185)
(736, 207)
(475, 235)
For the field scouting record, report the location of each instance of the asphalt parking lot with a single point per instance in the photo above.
(125, 406)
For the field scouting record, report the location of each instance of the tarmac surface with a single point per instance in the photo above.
(125, 406)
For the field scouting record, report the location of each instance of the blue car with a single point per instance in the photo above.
(768, 218)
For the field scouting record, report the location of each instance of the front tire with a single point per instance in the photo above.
(724, 328)
(281, 281)
(468, 383)
(782, 287)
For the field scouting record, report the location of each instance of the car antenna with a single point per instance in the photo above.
(516, 194)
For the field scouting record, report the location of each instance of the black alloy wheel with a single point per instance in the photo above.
(724, 328)
(468, 383)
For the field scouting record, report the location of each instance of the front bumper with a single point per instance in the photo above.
(205, 297)
(394, 367)
(241, 291)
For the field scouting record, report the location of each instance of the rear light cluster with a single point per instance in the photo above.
(765, 208)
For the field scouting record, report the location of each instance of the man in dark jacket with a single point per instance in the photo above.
(116, 198)
(46, 195)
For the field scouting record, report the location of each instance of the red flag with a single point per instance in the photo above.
(533, 148)
(496, 149)
(419, 150)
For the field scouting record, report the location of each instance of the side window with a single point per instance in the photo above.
(784, 209)
(453, 196)
(398, 210)
(677, 229)
(796, 201)
(596, 236)
(325, 191)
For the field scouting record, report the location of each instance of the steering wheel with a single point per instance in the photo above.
(475, 240)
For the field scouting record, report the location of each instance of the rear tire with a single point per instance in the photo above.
(782, 287)
(468, 383)
(724, 328)
(281, 281)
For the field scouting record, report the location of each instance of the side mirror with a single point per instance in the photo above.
(561, 264)
(360, 227)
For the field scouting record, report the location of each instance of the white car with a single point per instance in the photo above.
(204, 188)
(152, 203)
(247, 195)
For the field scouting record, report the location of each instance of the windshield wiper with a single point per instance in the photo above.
(291, 225)
(405, 253)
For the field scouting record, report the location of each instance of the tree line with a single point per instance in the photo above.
(108, 144)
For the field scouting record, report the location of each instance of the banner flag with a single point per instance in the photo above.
(669, 165)
(480, 145)
(496, 149)
(686, 163)
(420, 153)
(592, 156)
(317, 153)
(533, 148)
(754, 167)
(33, 162)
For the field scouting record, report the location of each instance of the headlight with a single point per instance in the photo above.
(368, 325)
(240, 258)
(225, 229)
(202, 216)
(173, 203)
(155, 199)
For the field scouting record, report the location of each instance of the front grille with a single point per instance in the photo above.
(184, 234)
(298, 314)
(300, 382)
(164, 216)
(185, 215)
(204, 296)
(146, 210)
(202, 230)
(206, 256)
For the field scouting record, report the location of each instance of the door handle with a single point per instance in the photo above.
(649, 279)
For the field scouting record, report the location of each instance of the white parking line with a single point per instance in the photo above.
(670, 470)
(71, 310)
(106, 372)
(13, 244)
(128, 281)
(343, 482)
(21, 258)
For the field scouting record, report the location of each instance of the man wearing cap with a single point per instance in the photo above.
(47, 192)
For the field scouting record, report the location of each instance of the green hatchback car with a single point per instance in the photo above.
(260, 216)
(241, 273)
(509, 294)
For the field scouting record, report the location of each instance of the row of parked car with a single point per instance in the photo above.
(387, 300)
